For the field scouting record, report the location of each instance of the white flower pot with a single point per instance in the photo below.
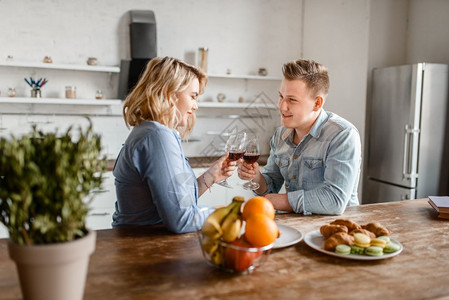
(53, 271)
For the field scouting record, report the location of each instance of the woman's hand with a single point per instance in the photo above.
(222, 168)
(248, 171)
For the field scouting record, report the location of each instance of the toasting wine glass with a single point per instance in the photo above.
(235, 145)
(252, 154)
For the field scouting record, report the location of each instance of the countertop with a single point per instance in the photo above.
(152, 263)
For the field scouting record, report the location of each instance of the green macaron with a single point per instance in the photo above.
(374, 251)
(391, 247)
(343, 249)
(357, 250)
(385, 238)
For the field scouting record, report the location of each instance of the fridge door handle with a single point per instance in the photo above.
(409, 130)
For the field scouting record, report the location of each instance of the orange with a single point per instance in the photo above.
(258, 205)
(260, 230)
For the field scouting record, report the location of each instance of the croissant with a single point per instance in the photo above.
(328, 230)
(337, 239)
(346, 222)
(376, 228)
(364, 231)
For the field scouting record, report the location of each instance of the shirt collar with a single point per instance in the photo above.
(315, 131)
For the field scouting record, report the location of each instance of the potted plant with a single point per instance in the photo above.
(45, 185)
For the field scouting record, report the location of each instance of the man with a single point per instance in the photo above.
(316, 153)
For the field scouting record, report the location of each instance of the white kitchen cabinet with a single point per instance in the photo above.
(102, 205)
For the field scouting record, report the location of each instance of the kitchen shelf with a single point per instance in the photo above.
(73, 67)
(235, 105)
(63, 101)
(231, 76)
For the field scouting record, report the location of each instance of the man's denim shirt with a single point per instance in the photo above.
(321, 174)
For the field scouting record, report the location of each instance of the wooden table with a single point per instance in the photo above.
(150, 263)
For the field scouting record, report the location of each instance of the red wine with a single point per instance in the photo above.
(251, 158)
(235, 155)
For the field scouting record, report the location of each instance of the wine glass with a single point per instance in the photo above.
(235, 145)
(252, 154)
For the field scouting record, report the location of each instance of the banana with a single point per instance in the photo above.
(231, 227)
(232, 223)
(209, 245)
(212, 229)
(217, 257)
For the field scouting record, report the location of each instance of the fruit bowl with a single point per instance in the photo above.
(235, 257)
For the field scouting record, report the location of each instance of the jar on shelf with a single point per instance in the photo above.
(99, 94)
(11, 92)
(70, 92)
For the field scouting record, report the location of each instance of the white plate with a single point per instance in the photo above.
(315, 240)
(289, 236)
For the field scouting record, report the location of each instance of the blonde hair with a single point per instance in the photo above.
(313, 74)
(154, 96)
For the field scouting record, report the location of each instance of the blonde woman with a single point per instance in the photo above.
(154, 181)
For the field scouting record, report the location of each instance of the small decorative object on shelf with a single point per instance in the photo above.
(221, 97)
(202, 59)
(35, 92)
(262, 72)
(36, 86)
(92, 61)
(48, 60)
(11, 92)
(9, 58)
(228, 71)
(99, 95)
(70, 92)
(241, 100)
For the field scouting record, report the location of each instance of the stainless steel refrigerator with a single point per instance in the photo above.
(407, 151)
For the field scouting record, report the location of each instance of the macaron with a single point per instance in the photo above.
(362, 240)
(374, 251)
(357, 250)
(343, 249)
(391, 247)
(385, 238)
(378, 243)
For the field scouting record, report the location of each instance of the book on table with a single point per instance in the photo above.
(441, 205)
(443, 215)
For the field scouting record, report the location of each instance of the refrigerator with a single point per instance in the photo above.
(408, 140)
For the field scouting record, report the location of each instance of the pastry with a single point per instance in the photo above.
(357, 250)
(391, 247)
(338, 238)
(376, 228)
(343, 249)
(346, 222)
(362, 240)
(378, 243)
(385, 238)
(364, 231)
(373, 251)
(328, 230)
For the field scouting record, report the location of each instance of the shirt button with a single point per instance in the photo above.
(310, 166)
(295, 157)
(280, 164)
(294, 176)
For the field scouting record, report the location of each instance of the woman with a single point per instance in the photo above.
(154, 181)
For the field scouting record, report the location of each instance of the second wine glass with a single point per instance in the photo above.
(235, 145)
(252, 154)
